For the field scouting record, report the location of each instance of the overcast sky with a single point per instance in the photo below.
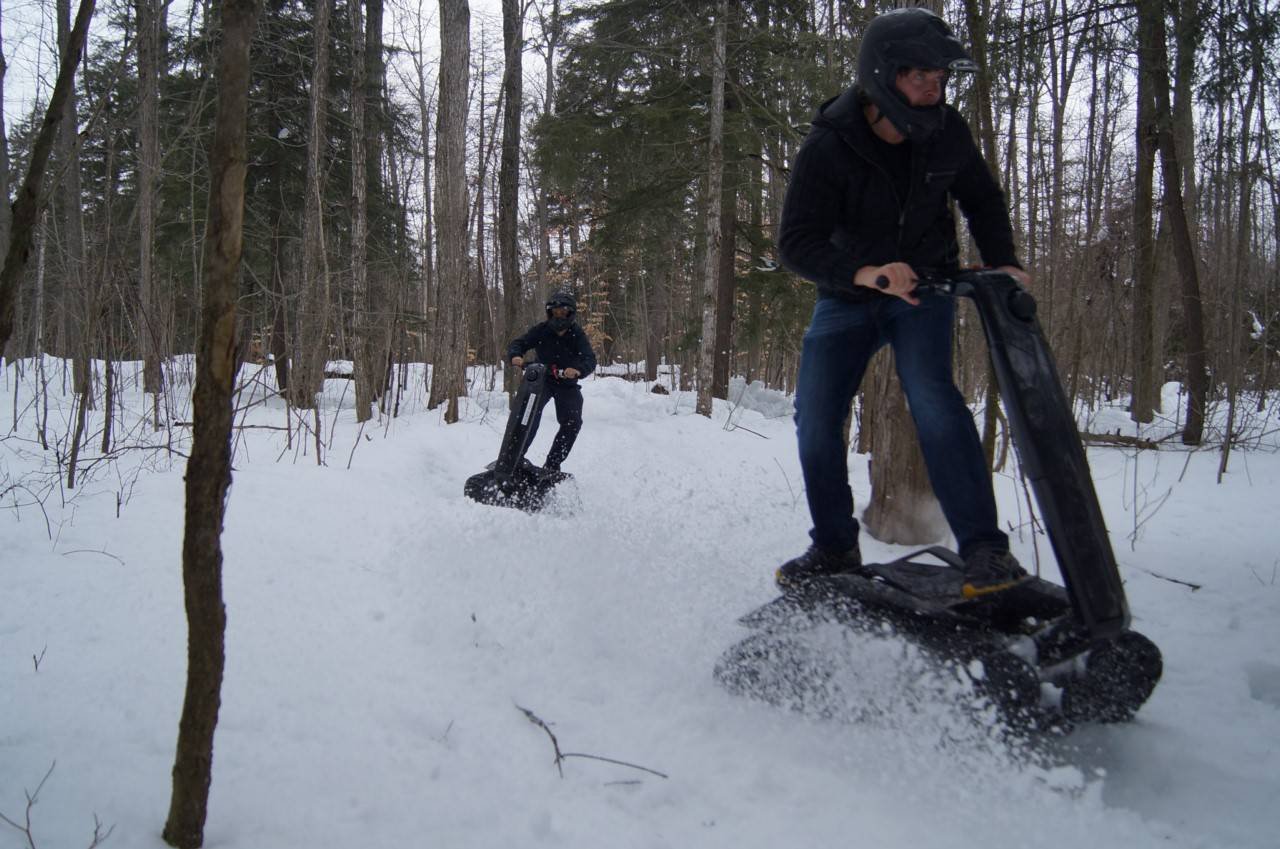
(29, 30)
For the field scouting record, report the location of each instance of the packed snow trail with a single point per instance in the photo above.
(385, 633)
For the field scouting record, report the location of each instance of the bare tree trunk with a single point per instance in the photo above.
(381, 307)
(1145, 395)
(1186, 32)
(656, 297)
(726, 289)
(74, 301)
(715, 176)
(311, 340)
(74, 309)
(1063, 61)
(552, 30)
(28, 205)
(481, 310)
(209, 469)
(509, 171)
(282, 256)
(902, 508)
(1240, 273)
(428, 226)
(360, 323)
(150, 18)
(449, 379)
(1152, 52)
(1272, 182)
(6, 211)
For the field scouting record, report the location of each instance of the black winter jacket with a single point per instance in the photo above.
(842, 210)
(572, 350)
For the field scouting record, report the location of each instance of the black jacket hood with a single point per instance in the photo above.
(837, 112)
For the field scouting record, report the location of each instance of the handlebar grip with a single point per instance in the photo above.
(882, 282)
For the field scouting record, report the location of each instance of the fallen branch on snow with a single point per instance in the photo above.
(1117, 439)
(561, 756)
(1193, 587)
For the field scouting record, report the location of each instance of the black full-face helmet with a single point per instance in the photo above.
(908, 38)
(561, 299)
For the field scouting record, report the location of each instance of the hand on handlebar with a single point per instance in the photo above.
(569, 373)
(517, 361)
(1023, 278)
(896, 278)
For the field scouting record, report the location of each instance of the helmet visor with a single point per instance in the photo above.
(934, 53)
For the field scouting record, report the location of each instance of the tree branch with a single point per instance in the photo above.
(561, 756)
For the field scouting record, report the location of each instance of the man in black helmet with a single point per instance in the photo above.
(565, 349)
(866, 212)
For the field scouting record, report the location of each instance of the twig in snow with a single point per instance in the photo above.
(103, 552)
(740, 427)
(1193, 587)
(355, 445)
(35, 499)
(555, 744)
(561, 756)
(98, 835)
(619, 763)
(790, 488)
(1259, 577)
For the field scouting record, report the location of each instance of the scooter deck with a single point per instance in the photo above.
(923, 587)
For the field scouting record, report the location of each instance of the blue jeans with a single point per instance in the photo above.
(840, 341)
(568, 398)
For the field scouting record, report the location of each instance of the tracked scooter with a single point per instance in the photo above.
(511, 480)
(1046, 655)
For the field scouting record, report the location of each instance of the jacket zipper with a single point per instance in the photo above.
(902, 207)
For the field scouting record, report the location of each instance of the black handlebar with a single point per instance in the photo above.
(532, 371)
(1021, 303)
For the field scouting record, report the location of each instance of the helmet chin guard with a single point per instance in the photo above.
(565, 300)
(908, 38)
(562, 298)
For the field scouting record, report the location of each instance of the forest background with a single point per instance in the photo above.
(603, 142)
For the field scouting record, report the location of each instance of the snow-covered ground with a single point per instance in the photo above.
(389, 643)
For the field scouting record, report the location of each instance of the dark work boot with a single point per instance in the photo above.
(989, 570)
(551, 473)
(817, 562)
